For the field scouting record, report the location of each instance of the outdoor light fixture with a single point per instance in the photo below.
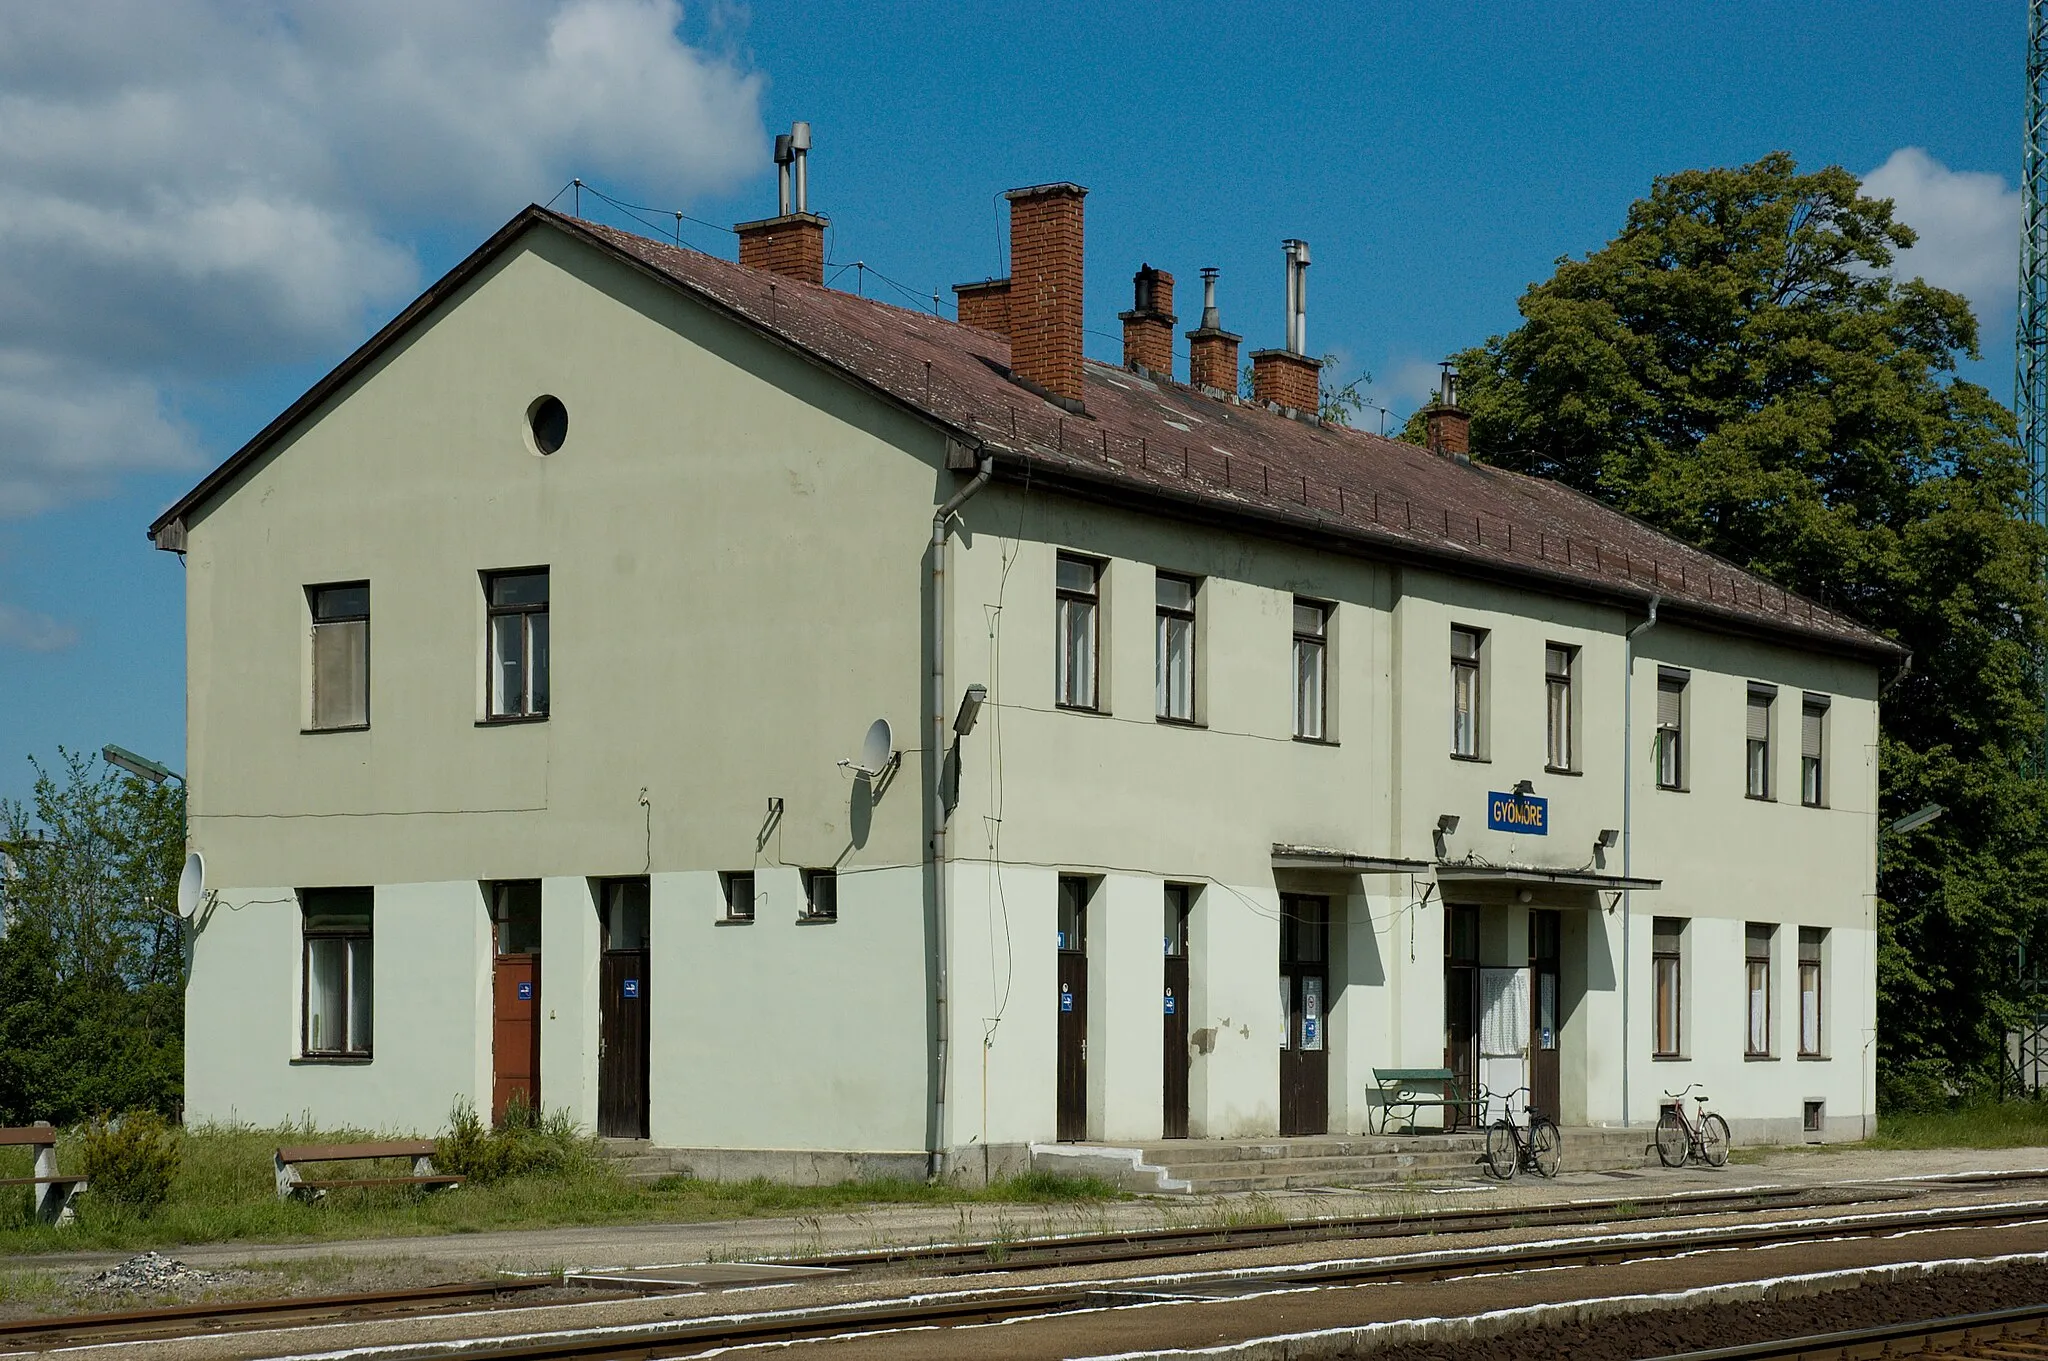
(141, 767)
(970, 708)
(1447, 824)
(1523, 787)
(1919, 817)
(1609, 837)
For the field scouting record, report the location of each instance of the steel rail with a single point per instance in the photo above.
(685, 1339)
(1958, 1335)
(1141, 1244)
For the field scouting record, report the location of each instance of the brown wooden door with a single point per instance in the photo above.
(1546, 1019)
(515, 1032)
(1173, 1120)
(1072, 1060)
(1461, 1003)
(1304, 1003)
(622, 1045)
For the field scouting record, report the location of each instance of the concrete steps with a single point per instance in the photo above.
(1222, 1166)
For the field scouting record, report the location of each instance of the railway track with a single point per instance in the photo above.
(2003, 1335)
(1004, 1305)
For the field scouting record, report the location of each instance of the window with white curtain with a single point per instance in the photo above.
(1560, 748)
(517, 606)
(1175, 619)
(339, 972)
(1671, 728)
(1757, 960)
(1078, 591)
(1667, 979)
(1811, 938)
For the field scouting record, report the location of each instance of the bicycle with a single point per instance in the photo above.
(1508, 1150)
(1680, 1140)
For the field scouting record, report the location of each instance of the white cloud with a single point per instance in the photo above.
(1412, 383)
(1968, 223)
(33, 632)
(189, 188)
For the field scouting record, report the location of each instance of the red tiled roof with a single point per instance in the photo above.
(1168, 448)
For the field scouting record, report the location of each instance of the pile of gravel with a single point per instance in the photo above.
(152, 1273)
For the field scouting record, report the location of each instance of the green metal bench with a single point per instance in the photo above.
(1411, 1090)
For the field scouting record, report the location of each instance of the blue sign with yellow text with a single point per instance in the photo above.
(1523, 813)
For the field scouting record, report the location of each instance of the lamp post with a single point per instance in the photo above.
(141, 767)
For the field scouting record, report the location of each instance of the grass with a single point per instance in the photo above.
(225, 1192)
(2008, 1124)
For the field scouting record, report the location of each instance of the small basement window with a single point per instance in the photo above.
(821, 895)
(739, 895)
(1814, 1116)
(547, 420)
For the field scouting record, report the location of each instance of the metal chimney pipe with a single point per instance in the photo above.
(1297, 296)
(1287, 248)
(783, 156)
(800, 143)
(1212, 320)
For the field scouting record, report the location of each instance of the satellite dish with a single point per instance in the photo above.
(875, 750)
(191, 885)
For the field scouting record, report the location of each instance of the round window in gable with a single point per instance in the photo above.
(547, 420)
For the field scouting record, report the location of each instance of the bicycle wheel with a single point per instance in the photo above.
(1501, 1151)
(1546, 1147)
(1714, 1140)
(1672, 1145)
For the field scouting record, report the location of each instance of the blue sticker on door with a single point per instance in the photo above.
(1066, 998)
(526, 992)
(1169, 1002)
(632, 987)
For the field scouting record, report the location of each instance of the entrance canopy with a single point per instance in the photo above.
(1507, 874)
(1286, 857)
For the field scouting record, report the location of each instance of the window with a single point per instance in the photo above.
(1811, 939)
(515, 916)
(339, 980)
(1079, 593)
(1813, 717)
(1559, 662)
(1311, 670)
(1176, 649)
(1465, 645)
(547, 420)
(1757, 957)
(517, 603)
(1180, 901)
(1666, 937)
(1813, 1116)
(821, 895)
(1757, 755)
(1073, 914)
(1671, 728)
(341, 655)
(739, 896)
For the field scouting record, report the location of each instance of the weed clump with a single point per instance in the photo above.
(130, 1161)
(527, 1144)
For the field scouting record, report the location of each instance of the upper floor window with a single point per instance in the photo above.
(1560, 745)
(1079, 597)
(1757, 937)
(1176, 648)
(341, 655)
(1813, 718)
(1811, 939)
(1757, 747)
(1671, 727)
(1465, 679)
(1667, 938)
(339, 979)
(1311, 670)
(517, 605)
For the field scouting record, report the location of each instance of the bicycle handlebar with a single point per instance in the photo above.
(1681, 1095)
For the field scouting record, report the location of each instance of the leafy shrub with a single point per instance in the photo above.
(130, 1161)
(527, 1144)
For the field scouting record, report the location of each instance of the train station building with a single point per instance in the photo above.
(1226, 760)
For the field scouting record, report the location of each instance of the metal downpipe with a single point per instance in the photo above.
(1628, 752)
(936, 1160)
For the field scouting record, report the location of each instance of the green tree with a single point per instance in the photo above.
(92, 957)
(1741, 368)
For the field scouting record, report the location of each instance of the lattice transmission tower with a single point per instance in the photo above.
(2030, 357)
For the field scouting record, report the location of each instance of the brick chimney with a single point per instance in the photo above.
(1045, 289)
(1148, 326)
(792, 243)
(1212, 351)
(1288, 378)
(1446, 425)
(986, 305)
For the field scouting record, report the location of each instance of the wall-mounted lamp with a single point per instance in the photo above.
(970, 708)
(1523, 787)
(1447, 824)
(1610, 837)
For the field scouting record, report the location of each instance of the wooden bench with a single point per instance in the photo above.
(421, 1151)
(1414, 1089)
(54, 1191)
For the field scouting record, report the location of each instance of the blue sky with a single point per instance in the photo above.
(210, 203)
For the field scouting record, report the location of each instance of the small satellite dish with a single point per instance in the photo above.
(192, 885)
(875, 750)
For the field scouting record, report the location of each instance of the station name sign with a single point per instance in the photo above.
(1522, 813)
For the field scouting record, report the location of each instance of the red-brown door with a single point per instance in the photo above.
(515, 1032)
